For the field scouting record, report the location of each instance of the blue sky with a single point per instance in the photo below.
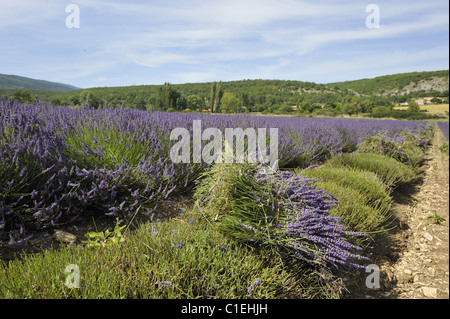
(120, 43)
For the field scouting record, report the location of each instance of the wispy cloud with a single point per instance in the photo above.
(198, 40)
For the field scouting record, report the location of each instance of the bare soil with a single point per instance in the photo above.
(413, 257)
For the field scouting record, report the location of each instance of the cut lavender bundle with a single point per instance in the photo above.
(283, 211)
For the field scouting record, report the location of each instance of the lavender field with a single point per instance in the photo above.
(59, 164)
(62, 167)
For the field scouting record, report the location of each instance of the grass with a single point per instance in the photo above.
(444, 149)
(173, 259)
(433, 108)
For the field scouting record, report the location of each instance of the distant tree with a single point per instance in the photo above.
(413, 107)
(22, 96)
(212, 96)
(229, 103)
(307, 107)
(181, 102)
(436, 100)
(218, 97)
(141, 104)
(87, 98)
(381, 111)
(245, 99)
(367, 105)
(195, 102)
(74, 100)
(168, 97)
(285, 108)
(352, 107)
(56, 101)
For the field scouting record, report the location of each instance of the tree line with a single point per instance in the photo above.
(262, 96)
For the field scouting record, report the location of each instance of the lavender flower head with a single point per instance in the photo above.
(253, 285)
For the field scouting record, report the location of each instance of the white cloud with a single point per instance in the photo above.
(370, 64)
(193, 77)
(26, 12)
(306, 42)
(199, 40)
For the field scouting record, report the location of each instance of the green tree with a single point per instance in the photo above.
(56, 101)
(212, 96)
(307, 107)
(195, 102)
(352, 107)
(168, 97)
(181, 102)
(74, 100)
(229, 103)
(87, 98)
(436, 100)
(245, 99)
(413, 107)
(381, 111)
(141, 104)
(216, 100)
(22, 96)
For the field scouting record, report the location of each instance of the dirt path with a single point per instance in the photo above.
(422, 271)
(414, 259)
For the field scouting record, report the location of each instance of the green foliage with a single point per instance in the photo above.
(87, 98)
(352, 107)
(106, 238)
(406, 150)
(22, 96)
(444, 149)
(386, 111)
(195, 102)
(216, 96)
(436, 219)
(413, 107)
(24, 83)
(367, 183)
(382, 111)
(388, 82)
(269, 96)
(169, 98)
(171, 259)
(389, 170)
(354, 208)
(229, 103)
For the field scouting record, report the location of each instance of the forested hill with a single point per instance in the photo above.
(271, 96)
(398, 84)
(24, 83)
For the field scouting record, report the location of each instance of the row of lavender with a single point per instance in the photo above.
(57, 164)
(444, 128)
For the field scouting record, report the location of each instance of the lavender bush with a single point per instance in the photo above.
(58, 164)
(443, 126)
